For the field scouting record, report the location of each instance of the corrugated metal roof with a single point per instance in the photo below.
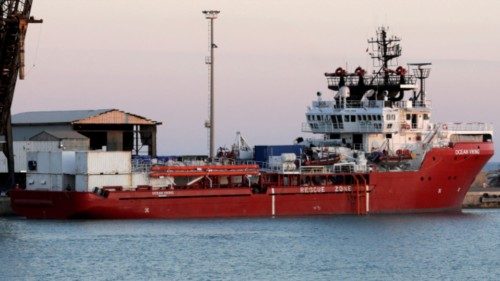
(97, 116)
(116, 116)
(61, 134)
(47, 117)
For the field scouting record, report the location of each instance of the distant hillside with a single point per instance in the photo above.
(490, 166)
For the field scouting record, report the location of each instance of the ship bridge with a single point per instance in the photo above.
(374, 116)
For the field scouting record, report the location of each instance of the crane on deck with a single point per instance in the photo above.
(14, 20)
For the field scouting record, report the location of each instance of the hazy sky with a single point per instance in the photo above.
(149, 59)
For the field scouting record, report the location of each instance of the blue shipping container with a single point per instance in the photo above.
(262, 152)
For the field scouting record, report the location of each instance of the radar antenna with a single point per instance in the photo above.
(421, 73)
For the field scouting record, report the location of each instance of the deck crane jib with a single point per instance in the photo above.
(14, 20)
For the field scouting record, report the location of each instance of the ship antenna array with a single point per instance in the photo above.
(384, 48)
(422, 73)
(211, 15)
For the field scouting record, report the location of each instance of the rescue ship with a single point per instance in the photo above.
(377, 151)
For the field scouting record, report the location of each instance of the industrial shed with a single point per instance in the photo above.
(68, 140)
(109, 129)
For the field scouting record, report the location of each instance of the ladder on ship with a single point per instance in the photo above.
(360, 195)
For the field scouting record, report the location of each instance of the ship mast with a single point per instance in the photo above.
(211, 15)
(384, 48)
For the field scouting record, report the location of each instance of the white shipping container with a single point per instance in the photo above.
(52, 162)
(49, 182)
(89, 182)
(103, 162)
(42, 160)
(21, 148)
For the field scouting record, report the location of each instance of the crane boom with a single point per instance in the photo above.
(14, 19)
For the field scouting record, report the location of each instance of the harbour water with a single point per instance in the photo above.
(462, 246)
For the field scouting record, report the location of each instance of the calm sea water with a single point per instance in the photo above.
(410, 247)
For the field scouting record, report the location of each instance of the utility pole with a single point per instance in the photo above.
(211, 15)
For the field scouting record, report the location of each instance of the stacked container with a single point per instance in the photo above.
(50, 170)
(103, 168)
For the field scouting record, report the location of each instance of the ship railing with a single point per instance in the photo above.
(277, 168)
(411, 104)
(357, 146)
(354, 80)
(391, 80)
(342, 168)
(323, 104)
(467, 127)
(145, 166)
(365, 127)
(313, 170)
(361, 104)
(348, 81)
(141, 167)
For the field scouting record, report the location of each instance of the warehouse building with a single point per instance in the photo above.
(108, 129)
(80, 130)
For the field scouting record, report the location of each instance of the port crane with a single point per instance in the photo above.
(14, 20)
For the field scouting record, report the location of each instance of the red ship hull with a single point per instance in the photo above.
(439, 185)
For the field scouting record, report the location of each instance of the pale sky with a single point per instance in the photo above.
(148, 59)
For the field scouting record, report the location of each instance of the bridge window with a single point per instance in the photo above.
(353, 118)
(346, 118)
(426, 116)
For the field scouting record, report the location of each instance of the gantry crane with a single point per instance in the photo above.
(14, 20)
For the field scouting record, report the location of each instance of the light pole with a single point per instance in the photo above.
(211, 15)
